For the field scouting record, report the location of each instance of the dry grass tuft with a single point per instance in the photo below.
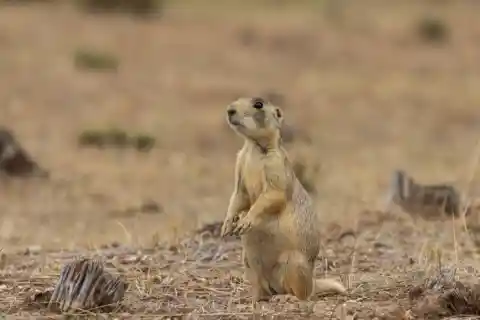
(442, 296)
(115, 138)
(137, 7)
(95, 61)
(433, 29)
(25, 2)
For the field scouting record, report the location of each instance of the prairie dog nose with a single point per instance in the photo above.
(231, 112)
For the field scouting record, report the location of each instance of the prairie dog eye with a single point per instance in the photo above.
(258, 103)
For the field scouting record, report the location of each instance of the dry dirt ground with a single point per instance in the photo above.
(363, 91)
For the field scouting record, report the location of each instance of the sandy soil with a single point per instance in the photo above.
(362, 91)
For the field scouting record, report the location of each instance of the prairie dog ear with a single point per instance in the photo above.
(278, 115)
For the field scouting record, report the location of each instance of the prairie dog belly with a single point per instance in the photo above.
(264, 245)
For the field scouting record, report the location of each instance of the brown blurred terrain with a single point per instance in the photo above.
(367, 87)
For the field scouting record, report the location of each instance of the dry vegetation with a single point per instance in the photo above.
(366, 87)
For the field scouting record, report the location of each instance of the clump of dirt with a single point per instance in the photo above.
(441, 296)
(14, 160)
(456, 299)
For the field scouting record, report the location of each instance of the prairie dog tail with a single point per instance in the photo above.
(325, 286)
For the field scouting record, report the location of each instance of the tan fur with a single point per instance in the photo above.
(271, 210)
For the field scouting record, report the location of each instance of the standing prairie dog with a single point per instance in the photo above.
(270, 209)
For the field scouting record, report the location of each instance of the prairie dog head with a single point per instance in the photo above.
(255, 118)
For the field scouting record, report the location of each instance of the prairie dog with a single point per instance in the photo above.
(271, 210)
(429, 201)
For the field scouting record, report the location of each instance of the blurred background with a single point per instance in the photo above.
(124, 101)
